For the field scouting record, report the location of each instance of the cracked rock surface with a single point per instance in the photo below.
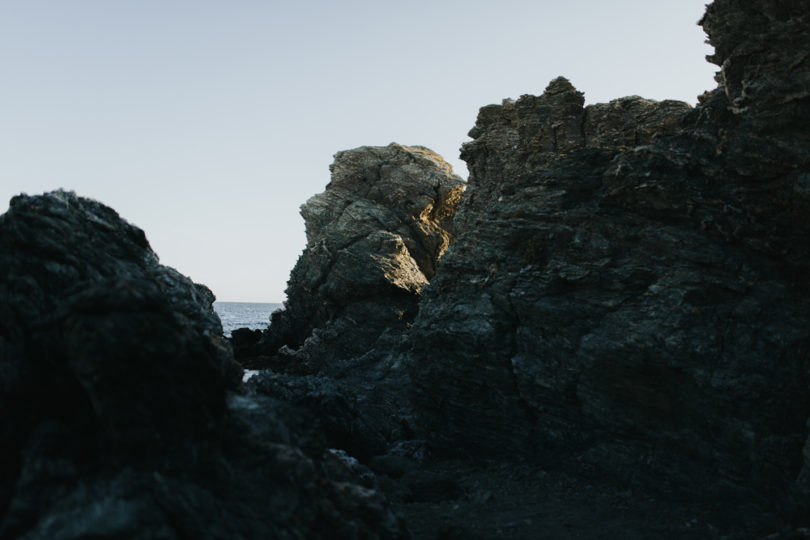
(374, 237)
(628, 293)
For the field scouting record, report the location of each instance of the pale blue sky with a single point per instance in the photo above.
(207, 123)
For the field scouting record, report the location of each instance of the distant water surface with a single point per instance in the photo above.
(252, 315)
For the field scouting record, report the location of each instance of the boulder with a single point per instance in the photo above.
(374, 237)
(120, 417)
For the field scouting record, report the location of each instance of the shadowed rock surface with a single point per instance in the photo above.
(118, 417)
(628, 293)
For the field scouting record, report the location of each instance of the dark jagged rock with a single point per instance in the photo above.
(332, 407)
(244, 343)
(628, 292)
(373, 239)
(521, 135)
(114, 385)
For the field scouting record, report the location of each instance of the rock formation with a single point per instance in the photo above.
(119, 413)
(628, 293)
(373, 239)
(624, 309)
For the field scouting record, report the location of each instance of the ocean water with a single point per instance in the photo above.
(252, 315)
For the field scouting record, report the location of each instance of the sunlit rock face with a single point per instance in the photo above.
(628, 292)
(118, 413)
(374, 237)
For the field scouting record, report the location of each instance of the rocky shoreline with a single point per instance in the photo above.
(602, 334)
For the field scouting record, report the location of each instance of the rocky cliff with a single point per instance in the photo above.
(627, 296)
(629, 290)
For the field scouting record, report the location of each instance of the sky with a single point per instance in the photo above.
(207, 123)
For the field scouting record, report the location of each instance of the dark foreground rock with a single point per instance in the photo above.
(629, 293)
(119, 418)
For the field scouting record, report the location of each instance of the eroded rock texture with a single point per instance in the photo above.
(373, 239)
(628, 292)
(118, 419)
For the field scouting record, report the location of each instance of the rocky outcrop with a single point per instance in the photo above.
(628, 292)
(624, 310)
(120, 418)
(373, 239)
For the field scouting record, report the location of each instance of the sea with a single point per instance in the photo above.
(253, 315)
